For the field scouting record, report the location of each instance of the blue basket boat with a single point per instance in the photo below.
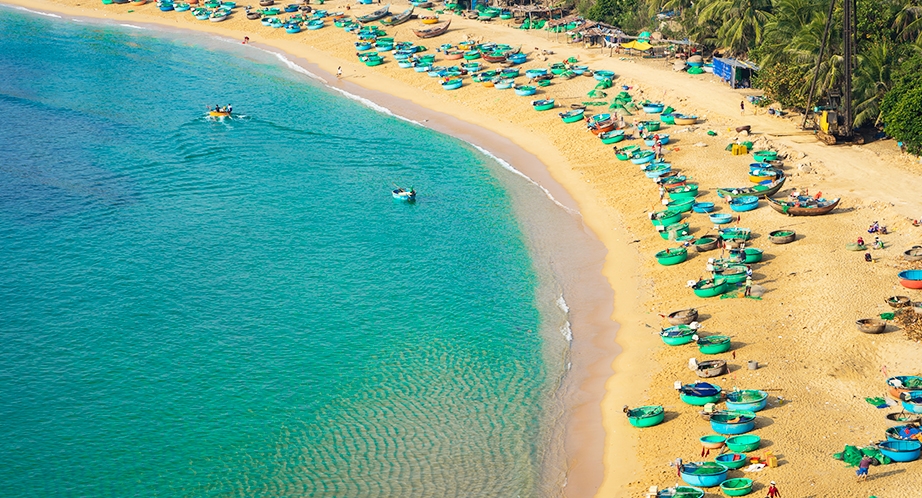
(703, 207)
(732, 460)
(721, 218)
(677, 335)
(681, 205)
(912, 401)
(680, 492)
(745, 203)
(751, 400)
(663, 139)
(656, 170)
(642, 157)
(901, 451)
(911, 279)
(733, 422)
(903, 433)
(452, 84)
(603, 75)
(704, 474)
(525, 91)
(534, 73)
(519, 58)
(653, 108)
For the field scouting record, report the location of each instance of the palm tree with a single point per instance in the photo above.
(741, 22)
(872, 81)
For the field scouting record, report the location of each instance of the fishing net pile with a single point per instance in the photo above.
(911, 323)
(703, 468)
(852, 455)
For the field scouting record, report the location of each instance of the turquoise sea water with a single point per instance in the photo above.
(212, 308)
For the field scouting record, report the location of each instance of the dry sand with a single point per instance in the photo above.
(802, 330)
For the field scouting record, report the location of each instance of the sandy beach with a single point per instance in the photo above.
(817, 367)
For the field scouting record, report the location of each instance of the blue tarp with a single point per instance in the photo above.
(725, 69)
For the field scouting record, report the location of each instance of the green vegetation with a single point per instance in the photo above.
(783, 37)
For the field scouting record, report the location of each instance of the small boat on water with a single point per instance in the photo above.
(402, 194)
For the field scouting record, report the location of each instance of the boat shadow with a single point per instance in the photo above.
(872, 476)
(761, 423)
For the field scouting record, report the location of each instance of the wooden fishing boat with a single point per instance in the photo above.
(432, 32)
(911, 279)
(700, 393)
(871, 325)
(760, 190)
(374, 16)
(711, 368)
(682, 317)
(498, 56)
(645, 416)
(266, 3)
(819, 207)
(402, 194)
(399, 18)
(599, 127)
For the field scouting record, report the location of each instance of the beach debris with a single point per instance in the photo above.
(911, 323)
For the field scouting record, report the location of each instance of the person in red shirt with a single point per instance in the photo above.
(773, 491)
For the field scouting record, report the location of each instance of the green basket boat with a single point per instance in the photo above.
(572, 116)
(714, 344)
(646, 416)
(700, 393)
(681, 205)
(674, 231)
(732, 274)
(665, 218)
(677, 335)
(625, 153)
(612, 137)
(687, 191)
(752, 255)
(764, 156)
(732, 460)
(743, 443)
(710, 288)
(650, 125)
(736, 234)
(736, 487)
(671, 257)
(667, 118)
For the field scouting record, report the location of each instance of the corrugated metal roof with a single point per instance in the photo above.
(735, 63)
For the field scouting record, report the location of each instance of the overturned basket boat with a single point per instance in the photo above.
(682, 317)
(871, 325)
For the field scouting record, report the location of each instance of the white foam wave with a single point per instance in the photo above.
(46, 14)
(565, 330)
(509, 167)
(132, 26)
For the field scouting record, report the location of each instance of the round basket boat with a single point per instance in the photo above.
(700, 393)
(732, 460)
(764, 156)
(681, 205)
(744, 203)
(744, 443)
(713, 441)
(714, 344)
(710, 288)
(687, 191)
(736, 487)
(720, 218)
(903, 383)
(646, 416)
(899, 301)
(899, 451)
(680, 492)
(914, 254)
(711, 368)
(782, 236)
(751, 400)
(752, 255)
(703, 207)
(871, 325)
(704, 474)
(677, 335)
(669, 257)
(682, 317)
(707, 243)
(908, 432)
(674, 231)
(912, 402)
(911, 279)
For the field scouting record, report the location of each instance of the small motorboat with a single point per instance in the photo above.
(402, 194)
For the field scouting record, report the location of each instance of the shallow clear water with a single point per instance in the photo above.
(198, 307)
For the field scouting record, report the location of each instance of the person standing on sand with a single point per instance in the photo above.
(773, 491)
(863, 466)
(742, 107)
(339, 72)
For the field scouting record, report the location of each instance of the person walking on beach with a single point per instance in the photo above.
(339, 72)
(773, 491)
(742, 107)
(863, 466)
